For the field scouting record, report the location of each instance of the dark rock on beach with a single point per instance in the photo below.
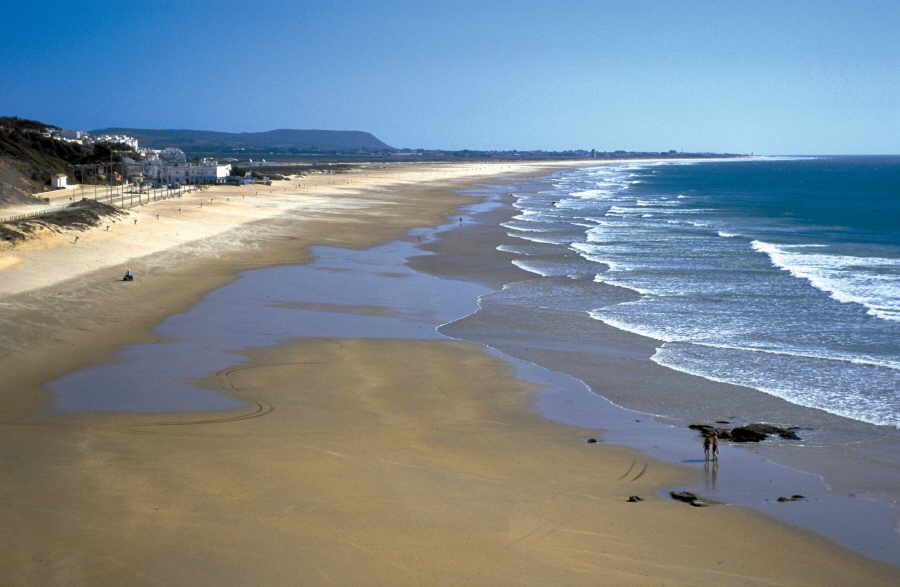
(749, 433)
(795, 497)
(746, 434)
(685, 496)
(691, 498)
(634, 499)
(787, 433)
(591, 441)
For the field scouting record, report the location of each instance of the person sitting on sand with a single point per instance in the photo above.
(129, 276)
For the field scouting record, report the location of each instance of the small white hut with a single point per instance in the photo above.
(58, 181)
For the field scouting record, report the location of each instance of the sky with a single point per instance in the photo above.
(785, 77)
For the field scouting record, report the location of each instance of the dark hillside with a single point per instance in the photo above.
(28, 159)
(23, 124)
(287, 140)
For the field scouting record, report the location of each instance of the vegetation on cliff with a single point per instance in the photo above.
(29, 158)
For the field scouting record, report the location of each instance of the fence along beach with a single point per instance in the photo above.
(374, 462)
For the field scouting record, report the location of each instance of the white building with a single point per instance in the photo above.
(59, 181)
(208, 172)
(172, 155)
(164, 172)
(114, 139)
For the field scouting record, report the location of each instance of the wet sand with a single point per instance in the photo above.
(384, 462)
(856, 503)
(64, 306)
(352, 461)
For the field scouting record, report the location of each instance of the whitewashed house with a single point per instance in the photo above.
(163, 172)
(59, 181)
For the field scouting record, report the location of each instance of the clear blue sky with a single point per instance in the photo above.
(761, 76)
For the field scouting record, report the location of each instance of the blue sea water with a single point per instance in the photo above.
(779, 274)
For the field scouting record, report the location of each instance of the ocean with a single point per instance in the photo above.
(779, 274)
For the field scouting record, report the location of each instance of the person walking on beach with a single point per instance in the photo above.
(707, 447)
(715, 447)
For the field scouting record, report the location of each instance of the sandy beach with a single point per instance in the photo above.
(56, 294)
(354, 460)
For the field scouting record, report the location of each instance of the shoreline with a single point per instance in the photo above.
(855, 457)
(841, 505)
(459, 453)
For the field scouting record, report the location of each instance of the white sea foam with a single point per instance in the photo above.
(536, 239)
(661, 203)
(834, 356)
(605, 278)
(511, 249)
(847, 279)
(850, 403)
(784, 351)
(533, 216)
(589, 194)
(586, 248)
(642, 330)
(525, 229)
(525, 266)
(595, 254)
(724, 234)
(594, 235)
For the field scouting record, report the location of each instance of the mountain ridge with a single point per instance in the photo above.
(277, 139)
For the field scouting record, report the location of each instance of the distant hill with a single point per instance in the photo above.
(288, 140)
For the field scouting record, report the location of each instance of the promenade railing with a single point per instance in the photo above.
(122, 196)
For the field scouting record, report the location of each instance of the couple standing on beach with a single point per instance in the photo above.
(711, 446)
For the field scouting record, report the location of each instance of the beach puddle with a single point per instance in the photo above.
(340, 294)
